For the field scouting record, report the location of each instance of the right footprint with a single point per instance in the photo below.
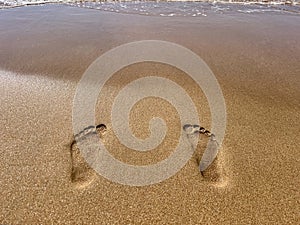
(215, 172)
(212, 159)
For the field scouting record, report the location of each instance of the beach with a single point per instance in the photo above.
(45, 50)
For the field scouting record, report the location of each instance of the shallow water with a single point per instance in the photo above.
(187, 8)
(175, 8)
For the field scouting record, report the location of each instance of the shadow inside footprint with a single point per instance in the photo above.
(215, 172)
(82, 174)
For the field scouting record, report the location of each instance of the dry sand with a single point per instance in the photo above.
(44, 50)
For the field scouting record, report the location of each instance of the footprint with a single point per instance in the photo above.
(215, 172)
(82, 175)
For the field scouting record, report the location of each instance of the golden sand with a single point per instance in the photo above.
(255, 179)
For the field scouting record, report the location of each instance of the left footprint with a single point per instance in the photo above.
(82, 175)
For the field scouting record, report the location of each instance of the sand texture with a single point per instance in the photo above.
(44, 50)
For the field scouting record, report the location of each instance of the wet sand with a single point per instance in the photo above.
(44, 50)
